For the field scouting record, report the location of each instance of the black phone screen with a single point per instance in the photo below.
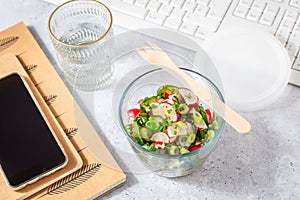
(27, 145)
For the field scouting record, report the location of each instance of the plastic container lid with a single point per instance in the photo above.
(253, 65)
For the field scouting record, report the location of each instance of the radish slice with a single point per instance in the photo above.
(170, 100)
(173, 139)
(160, 137)
(170, 131)
(189, 97)
(200, 126)
(134, 113)
(190, 129)
(159, 145)
(195, 147)
(177, 129)
(209, 116)
(183, 141)
(166, 111)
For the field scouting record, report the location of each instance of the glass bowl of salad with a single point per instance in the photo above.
(167, 125)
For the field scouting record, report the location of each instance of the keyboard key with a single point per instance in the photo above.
(271, 9)
(292, 59)
(259, 5)
(241, 11)
(267, 19)
(298, 23)
(296, 29)
(189, 5)
(188, 28)
(177, 3)
(173, 23)
(291, 15)
(295, 3)
(218, 9)
(155, 18)
(203, 33)
(165, 10)
(126, 8)
(201, 9)
(282, 35)
(287, 24)
(165, 1)
(203, 2)
(177, 13)
(254, 15)
(246, 3)
(206, 25)
(192, 18)
(292, 49)
(153, 5)
(141, 3)
(295, 38)
(297, 64)
(201, 21)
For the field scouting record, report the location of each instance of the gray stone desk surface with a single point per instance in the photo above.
(262, 165)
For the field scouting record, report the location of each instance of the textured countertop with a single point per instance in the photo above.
(264, 164)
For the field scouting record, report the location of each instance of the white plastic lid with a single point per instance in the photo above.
(253, 65)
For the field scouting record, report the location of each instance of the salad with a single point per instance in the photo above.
(171, 122)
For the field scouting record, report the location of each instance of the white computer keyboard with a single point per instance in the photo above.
(200, 19)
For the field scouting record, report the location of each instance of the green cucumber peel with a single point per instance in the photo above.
(197, 117)
(155, 123)
(203, 113)
(191, 138)
(136, 133)
(174, 150)
(183, 150)
(183, 109)
(146, 133)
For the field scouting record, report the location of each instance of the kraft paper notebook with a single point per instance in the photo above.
(92, 171)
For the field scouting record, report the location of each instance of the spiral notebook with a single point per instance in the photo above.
(97, 173)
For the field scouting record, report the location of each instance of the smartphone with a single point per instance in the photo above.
(28, 148)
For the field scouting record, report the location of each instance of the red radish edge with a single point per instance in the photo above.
(185, 98)
(134, 112)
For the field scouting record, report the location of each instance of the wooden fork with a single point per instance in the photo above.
(156, 56)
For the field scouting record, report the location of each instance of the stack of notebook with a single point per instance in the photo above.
(91, 171)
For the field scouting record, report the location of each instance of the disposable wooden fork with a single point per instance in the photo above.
(156, 56)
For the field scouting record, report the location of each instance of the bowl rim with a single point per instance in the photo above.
(202, 149)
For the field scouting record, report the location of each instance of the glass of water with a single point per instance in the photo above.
(81, 32)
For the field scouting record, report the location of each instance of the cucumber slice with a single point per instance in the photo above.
(155, 123)
(171, 89)
(152, 99)
(166, 90)
(191, 138)
(146, 133)
(197, 117)
(136, 133)
(183, 150)
(211, 135)
(183, 109)
(174, 150)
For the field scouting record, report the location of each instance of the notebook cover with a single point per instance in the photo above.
(99, 173)
(9, 64)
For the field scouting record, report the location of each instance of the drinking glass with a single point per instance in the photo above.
(81, 32)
